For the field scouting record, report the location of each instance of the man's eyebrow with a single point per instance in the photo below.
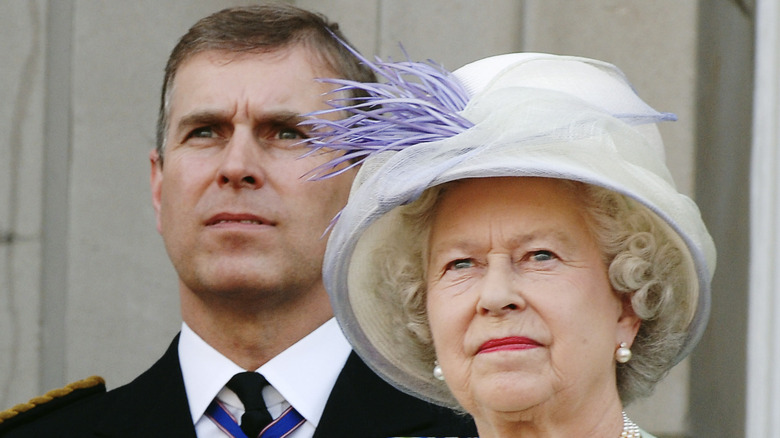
(282, 115)
(290, 118)
(207, 117)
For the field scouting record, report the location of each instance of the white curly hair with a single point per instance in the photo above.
(643, 256)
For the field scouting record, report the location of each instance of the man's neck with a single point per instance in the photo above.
(252, 334)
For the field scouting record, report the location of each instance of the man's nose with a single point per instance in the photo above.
(241, 165)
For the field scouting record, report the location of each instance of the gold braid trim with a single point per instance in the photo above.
(89, 382)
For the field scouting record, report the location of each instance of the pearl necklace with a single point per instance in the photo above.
(630, 430)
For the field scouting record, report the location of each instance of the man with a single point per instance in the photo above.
(244, 229)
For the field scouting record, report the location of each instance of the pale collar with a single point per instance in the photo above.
(304, 374)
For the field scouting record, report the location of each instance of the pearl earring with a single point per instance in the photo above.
(623, 354)
(437, 372)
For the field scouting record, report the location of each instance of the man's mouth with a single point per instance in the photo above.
(242, 219)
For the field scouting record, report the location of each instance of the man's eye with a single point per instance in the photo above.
(289, 134)
(460, 264)
(204, 132)
(542, 256)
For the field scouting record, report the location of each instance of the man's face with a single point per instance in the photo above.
(238, 217)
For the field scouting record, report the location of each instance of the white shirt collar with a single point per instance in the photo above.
(304, 374)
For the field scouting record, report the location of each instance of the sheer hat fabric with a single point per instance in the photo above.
(533, 115)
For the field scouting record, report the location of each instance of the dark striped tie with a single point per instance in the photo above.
(248, 386)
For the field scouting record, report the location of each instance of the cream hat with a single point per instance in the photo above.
(524, 114)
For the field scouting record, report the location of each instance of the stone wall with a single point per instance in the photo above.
(85, 284)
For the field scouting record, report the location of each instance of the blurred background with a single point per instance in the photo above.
(86, 287)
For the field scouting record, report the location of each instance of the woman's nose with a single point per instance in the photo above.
(498, 290)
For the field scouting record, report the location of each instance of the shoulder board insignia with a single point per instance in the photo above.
(52, 400)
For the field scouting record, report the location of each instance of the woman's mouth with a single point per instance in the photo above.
(508, 343)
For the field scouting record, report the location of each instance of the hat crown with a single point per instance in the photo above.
(598, 84)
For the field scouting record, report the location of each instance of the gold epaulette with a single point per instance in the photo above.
(73, 389)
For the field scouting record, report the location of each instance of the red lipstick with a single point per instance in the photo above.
(508, 343)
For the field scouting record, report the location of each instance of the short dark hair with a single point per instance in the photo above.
(261, 29)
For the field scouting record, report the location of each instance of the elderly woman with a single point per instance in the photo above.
(514, 245)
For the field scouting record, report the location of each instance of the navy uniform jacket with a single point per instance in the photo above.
(361, 405)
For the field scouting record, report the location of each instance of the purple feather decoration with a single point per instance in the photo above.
(417, 103)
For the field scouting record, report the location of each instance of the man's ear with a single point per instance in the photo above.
(155, 182)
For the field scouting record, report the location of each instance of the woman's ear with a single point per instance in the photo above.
(628, 323)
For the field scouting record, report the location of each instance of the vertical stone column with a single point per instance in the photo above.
(763, 352)
(22, 45)
(724, 102)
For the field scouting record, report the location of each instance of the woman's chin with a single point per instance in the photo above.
(508, 393)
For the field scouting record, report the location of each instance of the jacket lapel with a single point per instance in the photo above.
(363, 405)
(154, 404)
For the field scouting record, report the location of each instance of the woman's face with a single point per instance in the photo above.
(523, 317)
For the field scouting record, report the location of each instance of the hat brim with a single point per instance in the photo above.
(603, 154)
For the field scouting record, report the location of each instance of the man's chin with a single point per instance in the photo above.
(248, 288)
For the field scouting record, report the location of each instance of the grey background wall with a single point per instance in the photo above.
(85, 285)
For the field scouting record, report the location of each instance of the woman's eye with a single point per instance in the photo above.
(460, 264)
(542, 256)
